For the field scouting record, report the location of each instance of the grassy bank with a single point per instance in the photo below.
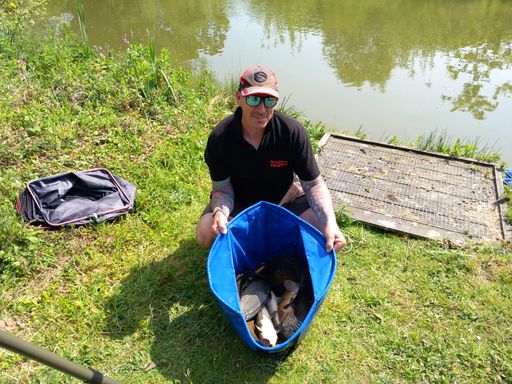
(131, 298)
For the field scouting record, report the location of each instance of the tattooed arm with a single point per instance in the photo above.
(320, 201)
(222, 202)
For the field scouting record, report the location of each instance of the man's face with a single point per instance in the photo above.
(254, 118)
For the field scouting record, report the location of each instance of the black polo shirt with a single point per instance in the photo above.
(265, 173)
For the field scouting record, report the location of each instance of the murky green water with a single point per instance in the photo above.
(391, 68)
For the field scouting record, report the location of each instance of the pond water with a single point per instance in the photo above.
(388, 68)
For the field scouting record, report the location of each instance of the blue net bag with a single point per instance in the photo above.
(257, 236)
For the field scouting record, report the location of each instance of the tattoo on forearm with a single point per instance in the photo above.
(223, 195)
(319, 199)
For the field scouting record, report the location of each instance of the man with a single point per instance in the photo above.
(257, 154)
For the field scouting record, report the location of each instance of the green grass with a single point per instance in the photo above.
(508, 194)
(441, 142)
(131, 298)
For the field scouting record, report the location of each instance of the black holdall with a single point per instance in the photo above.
(75, 198)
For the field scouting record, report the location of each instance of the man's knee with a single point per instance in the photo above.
(204, 235)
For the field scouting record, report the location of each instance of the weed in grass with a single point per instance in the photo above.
(508, 194)
(17, 19)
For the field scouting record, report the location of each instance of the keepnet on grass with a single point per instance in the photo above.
(256, 236)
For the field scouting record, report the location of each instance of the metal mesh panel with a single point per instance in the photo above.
(440, 192)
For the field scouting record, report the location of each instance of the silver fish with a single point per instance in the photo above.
(253, 296)
(273, 310)
(265, 328)
(280, 269)
(292, 288)
(289, 322)
(286, 311)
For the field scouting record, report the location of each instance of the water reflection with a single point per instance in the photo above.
(448, 62)
(477, 64)
(364, 40)
(185, 27)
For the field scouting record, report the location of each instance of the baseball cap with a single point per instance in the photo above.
(258, 80)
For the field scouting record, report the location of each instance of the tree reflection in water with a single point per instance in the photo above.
(364, 40)
(477, 64)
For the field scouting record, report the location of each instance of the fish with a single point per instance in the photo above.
(290, 293)
(291, 286)
(278, 270)
(289, 323)
(273, 310)
(301, 306)
(265, 328)
(253, 294)
(250, 325)
(286, 311)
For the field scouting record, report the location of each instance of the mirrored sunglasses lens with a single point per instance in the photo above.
(270, 102)
(253, 100)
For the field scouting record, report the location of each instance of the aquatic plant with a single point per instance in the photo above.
(82, 24)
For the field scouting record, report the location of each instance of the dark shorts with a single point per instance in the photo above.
(297, 206)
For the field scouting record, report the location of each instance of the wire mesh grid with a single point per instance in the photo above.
(417, 187)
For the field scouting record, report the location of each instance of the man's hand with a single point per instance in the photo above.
(335, 238)
(219, 222)
(319, 199)
(222, 201)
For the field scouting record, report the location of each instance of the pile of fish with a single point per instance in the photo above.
(275, 299)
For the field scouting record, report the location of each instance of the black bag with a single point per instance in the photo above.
(75, 198)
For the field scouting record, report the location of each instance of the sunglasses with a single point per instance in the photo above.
(255, 100)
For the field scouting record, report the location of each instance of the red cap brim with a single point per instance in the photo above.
(259, 91)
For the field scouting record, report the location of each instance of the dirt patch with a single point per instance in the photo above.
(12, 324)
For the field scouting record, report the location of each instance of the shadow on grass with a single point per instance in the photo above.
(170, 302)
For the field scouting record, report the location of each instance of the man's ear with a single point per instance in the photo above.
(238, 97)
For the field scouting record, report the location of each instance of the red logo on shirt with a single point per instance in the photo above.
(278, 163)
